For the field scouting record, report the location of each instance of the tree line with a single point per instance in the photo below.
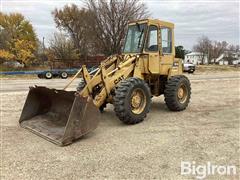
(213, 49)
(97, 28)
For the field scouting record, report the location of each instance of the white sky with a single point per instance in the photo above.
(219, 20)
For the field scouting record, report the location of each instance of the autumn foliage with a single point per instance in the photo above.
(18, 41)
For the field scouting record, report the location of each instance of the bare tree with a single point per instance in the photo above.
(214, 49)
(111, 19)
(76, 22)
(62, 47)
(204, 46)
(101, 26)
(218, 48)
(237, 49)
(233, 48)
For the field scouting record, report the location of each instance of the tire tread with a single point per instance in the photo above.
(120, 97)
(170, 92)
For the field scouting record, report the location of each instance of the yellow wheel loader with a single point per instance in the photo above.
(147, 67)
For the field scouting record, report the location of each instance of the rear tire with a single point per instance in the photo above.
(177, 93)
(132, 100)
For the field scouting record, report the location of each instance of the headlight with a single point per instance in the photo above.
(175, 63)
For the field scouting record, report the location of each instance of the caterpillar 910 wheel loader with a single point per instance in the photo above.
(147, 67)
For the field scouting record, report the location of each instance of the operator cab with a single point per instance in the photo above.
(154, 41)
(148, 36)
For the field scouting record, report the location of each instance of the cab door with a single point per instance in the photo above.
(152, 49)
(167, 51)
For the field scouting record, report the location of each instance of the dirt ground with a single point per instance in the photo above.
(208, 130)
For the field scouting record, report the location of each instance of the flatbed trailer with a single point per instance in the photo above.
(61, 69)
(48, 74)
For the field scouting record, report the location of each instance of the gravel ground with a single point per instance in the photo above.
(208, 130)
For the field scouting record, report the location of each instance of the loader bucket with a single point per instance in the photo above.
(58, 116)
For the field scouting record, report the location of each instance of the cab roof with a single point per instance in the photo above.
(154, 21)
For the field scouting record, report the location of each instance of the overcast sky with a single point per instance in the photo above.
(219, 20)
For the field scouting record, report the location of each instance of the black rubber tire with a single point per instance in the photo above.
(40, 76)
(102, 107)
(48, 75)
(64, 75)
(122, 97)
(171, 90)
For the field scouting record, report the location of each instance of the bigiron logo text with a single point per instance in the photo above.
(201, 171)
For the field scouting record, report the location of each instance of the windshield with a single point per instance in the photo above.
(134, 39)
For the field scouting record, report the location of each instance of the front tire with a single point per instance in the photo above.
(177, 93)
(132, 100)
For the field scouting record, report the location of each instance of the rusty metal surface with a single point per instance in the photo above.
(58, 116)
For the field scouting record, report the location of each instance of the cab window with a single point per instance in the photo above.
(166, 34)
(152, 41)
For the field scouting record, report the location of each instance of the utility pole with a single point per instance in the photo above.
(43, 44)
(43, 50)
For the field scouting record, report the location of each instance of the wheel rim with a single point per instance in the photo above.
(48, 75)
(182, 93)
(138, 101)
(64, 74)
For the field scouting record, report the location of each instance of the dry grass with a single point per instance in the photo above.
(29, 76)
(216, 68)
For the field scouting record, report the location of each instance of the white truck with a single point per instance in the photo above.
(188, 67)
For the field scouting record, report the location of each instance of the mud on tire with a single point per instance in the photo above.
(177, 93)
(132, 100)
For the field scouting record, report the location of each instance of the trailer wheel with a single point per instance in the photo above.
(177, 93)
(40, 76)
(48, 75)
(132, 100)
(64, 75)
